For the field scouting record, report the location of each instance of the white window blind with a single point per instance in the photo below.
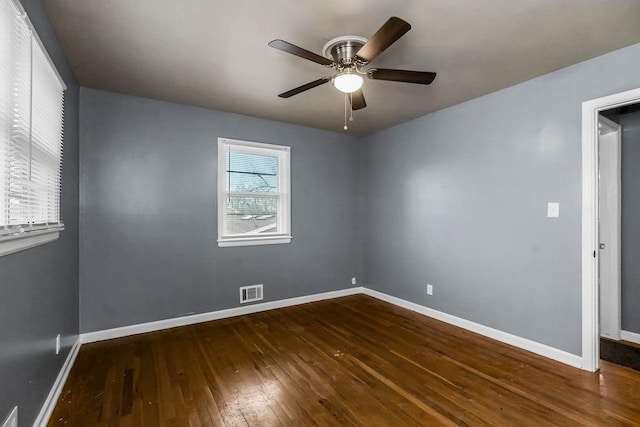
(31, 126)
(253, 193)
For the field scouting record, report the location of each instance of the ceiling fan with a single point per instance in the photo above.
(348, 55)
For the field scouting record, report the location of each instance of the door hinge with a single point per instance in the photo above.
(594, 254)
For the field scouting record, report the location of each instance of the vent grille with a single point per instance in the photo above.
(250, 293)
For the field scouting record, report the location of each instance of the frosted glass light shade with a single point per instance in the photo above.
(348, 82)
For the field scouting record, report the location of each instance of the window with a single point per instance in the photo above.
(254, 196)
(31, 125)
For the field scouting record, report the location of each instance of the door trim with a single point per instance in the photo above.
(590, 306)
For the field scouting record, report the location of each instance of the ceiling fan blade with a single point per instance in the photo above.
(298, 51)
(305, 87)
(357, 100)
(391, 31)
(406, 76)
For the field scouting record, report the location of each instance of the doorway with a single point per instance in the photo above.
(591, 239)
(618, 187)
(592, 255)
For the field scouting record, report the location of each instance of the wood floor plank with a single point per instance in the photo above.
(348, 361)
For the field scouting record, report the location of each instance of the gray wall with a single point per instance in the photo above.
(630, 221)
(458, 199)
(39, 286)
(149, 219)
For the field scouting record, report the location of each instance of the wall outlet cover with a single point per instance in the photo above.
(353, 280)
(58, 344)
(429, 289)
(553, 210)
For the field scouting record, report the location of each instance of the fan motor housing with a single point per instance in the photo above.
(343, 49)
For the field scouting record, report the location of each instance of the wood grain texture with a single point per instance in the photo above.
(348, 361)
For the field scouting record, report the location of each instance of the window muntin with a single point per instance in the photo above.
(253, 193)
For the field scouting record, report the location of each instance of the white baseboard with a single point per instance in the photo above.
(514, 340)
(630, 336)
(523, 343)
(56, 389)
(142, 328)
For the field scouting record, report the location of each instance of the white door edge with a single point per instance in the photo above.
(610, 146)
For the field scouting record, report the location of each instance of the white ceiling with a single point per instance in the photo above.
(214, 53)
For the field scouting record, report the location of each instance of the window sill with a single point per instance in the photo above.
(13, 244)
(253, 241)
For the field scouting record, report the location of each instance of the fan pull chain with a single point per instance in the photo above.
(345, 112)
(351, 107)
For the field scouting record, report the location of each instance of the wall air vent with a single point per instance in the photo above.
(250, 293)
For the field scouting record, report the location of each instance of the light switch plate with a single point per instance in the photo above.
(553, 210)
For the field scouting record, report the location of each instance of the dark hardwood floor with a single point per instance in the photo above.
(347, 361)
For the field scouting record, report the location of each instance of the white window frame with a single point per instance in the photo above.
(284, 194)
(24, 236)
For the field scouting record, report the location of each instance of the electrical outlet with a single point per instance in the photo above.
(58, 344)
(429, 289)
(12, 419)
(353, 280)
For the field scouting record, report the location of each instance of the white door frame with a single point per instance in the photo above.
(610, 223)
(590, 307)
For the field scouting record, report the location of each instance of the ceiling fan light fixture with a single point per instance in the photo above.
(348, 81)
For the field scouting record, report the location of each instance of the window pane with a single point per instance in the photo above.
(252, 172)
(251, 215)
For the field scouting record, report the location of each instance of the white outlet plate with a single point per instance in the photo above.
(553, 210)
(58, 344)
(429, 289)
(12, 419)
(353, 280)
